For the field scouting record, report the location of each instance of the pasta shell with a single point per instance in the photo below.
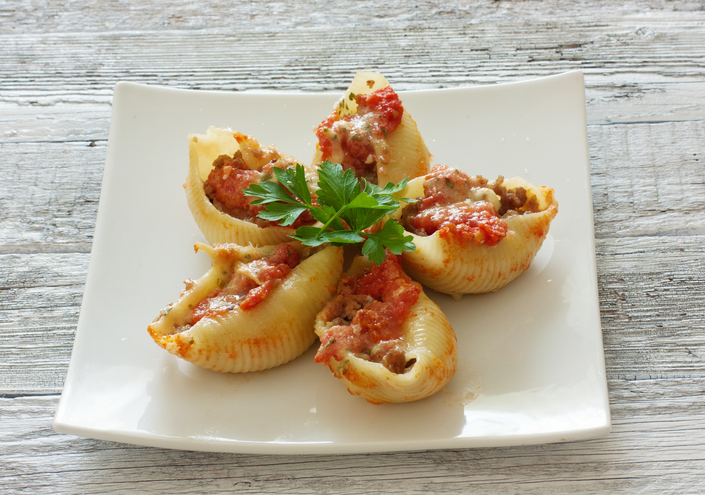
(408, 154)
(274, 332)
(431, 346)
(447, 265)
(402, 154)
(216, 226)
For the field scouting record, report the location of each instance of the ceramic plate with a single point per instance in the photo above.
(531, 365)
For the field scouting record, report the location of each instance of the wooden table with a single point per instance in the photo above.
(644, 66)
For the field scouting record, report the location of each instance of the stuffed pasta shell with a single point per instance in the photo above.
(371, 133)
(473, 235)
(383, 337)
(254, 309)
(222, 164)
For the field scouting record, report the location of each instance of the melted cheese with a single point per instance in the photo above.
(484, 194)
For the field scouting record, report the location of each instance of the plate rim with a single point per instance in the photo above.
(139, 437)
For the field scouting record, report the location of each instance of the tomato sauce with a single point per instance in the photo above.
(244, 292)
(378, 114)
(444, 209)
(279, 265)
(386, 106)
(225, 185)
(477, 222)
(369, 313)
(229, 177)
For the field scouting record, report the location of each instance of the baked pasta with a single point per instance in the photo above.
(222, 164)
(473, 235)
(383, 337)
(370, 132)
(253, 310)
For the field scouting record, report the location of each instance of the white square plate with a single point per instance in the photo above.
(534, 348)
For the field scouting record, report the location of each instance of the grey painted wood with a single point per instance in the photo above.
(644, 66)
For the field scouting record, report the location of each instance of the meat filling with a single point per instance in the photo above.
(470, 208)
(247, 284)
(367, 317)
(357, 141)
(226, 182)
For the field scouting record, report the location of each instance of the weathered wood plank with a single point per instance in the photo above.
(41, 299)
(642, 282)
(644, 63)
(223, 61)
(637, 189)
(91, 16)
(610, 99)
(55, 122)
(649, 330)
(49, 195)
(648, 179)
(465, 43)
(660, 417)
(643, 274)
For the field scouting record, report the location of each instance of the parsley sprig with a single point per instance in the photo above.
(345, 209)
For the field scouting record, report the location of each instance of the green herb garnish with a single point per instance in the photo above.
(345, 207)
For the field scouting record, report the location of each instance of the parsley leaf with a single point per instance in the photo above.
(286, 214)
(337, 188)
(392, 237)
(345, 208)
(295, 181)
(269, 192)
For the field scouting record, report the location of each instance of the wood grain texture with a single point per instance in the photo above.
(49, 195)
(315, 46)
(652, 449)
(644, 66)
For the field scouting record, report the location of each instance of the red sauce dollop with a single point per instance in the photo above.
(387, 111)
(229, 177)
(368, 310)
(226, 182)
(443, 209)
(279, 265)
(477, 222)
(244, 292)
(387, 107)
